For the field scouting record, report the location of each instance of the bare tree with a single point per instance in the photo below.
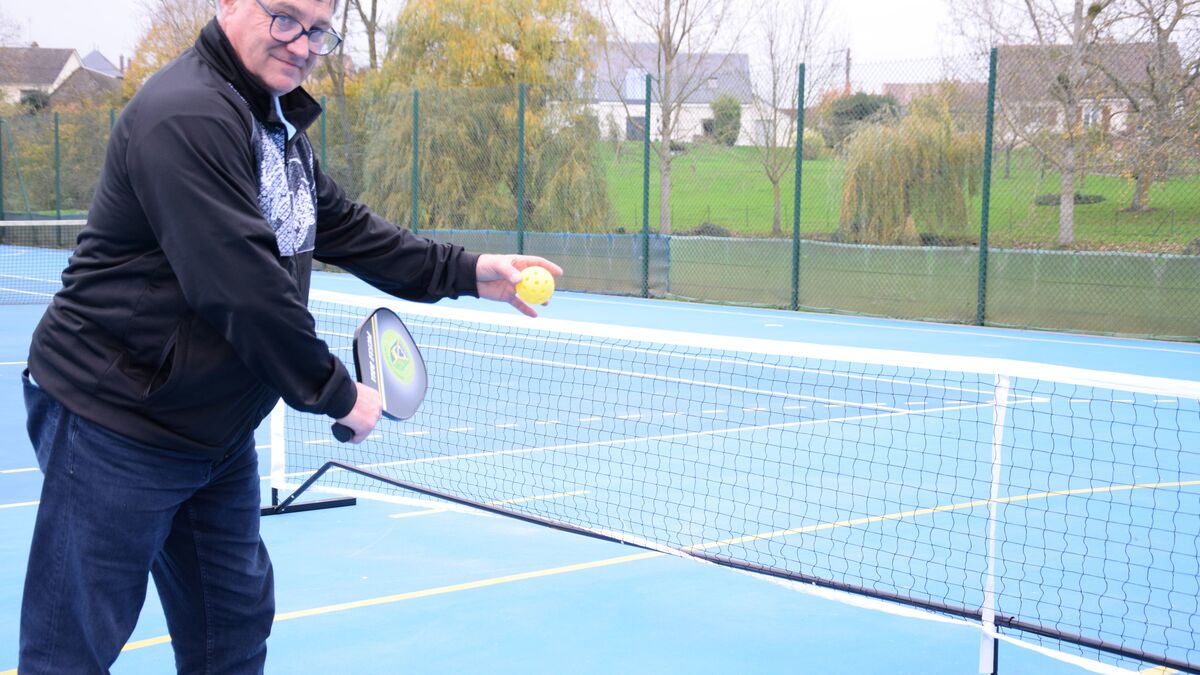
(1157, 82)
(170, 27)
(368, 14)
(685, 33)
(1046, 60)
(792, 32)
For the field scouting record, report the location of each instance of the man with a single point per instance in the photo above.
(181, 321)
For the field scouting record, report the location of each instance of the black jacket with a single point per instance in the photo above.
(183, 314)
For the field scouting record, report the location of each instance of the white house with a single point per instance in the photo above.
(619, 95)
(1029, 90)
(26, 70)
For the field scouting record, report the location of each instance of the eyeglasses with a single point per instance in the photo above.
(287, 30)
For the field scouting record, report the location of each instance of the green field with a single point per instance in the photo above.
(728, 187)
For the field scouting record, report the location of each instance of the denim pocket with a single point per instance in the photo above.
(42, 415)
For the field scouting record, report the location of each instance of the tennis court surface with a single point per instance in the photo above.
(899, 493)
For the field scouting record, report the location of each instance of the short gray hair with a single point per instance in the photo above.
(217, 4)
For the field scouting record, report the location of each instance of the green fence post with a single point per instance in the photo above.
(981, 305)
(57, 172)
(796, 206)
(323, 141)
(112, 119)
(646, 195)
(416, 172)
(521, 168)
(2, 213)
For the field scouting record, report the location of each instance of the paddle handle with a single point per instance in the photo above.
(342, 432)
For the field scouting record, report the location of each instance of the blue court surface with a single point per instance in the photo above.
(391, 586)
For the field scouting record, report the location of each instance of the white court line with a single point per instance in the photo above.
(22, 291)
(31, 469)
(502, 502)
(12, 363)
(999, 334)
(698, 383)
(25, 278)
(17, 504)
(665, 437)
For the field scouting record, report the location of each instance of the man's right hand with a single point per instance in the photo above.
(365, 414)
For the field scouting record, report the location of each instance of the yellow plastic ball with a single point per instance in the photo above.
(536, 285)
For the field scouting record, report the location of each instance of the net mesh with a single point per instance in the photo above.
(875, 472)
(33, 255)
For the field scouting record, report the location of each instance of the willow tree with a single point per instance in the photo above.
(909, 177)
(169, 27)
(466, 59)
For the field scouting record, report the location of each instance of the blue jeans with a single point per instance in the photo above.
(113, 512)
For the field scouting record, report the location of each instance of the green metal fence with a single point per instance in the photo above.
(934, 197)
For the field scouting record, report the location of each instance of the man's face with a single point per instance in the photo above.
(279, 67)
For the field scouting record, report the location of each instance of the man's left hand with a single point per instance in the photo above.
(496, 277)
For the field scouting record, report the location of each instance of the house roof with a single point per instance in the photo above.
(621, 68)
(85, 85)
(962, 96)
(32, 65)
(1033, 72)
(97, 62)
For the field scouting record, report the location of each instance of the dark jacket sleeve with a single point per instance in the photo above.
(194, 174)
(388, 257)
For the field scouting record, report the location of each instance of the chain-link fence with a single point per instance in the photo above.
(927, 189)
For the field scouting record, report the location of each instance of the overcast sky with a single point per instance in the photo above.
(876, 31)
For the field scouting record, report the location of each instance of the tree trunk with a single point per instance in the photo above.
(777, 224)
(1066, 202)
(664, 192)
(1141, 188)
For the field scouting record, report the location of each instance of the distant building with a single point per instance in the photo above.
(620, 91)
(59, 74)
(970, 97)
(1028, 83)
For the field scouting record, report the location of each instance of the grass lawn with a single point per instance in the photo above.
(728, 187)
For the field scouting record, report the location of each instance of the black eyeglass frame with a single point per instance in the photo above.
(329, 39)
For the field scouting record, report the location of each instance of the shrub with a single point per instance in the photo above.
(707, 230)
(1054, 199)
(727, 119)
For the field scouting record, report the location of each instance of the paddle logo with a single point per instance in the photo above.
(397, 357)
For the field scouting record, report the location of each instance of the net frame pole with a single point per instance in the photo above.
(279, 473)
(988, 134)
(989, 643)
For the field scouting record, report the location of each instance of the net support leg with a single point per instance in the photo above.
(989, 643)
(286, 506)
(278, 471)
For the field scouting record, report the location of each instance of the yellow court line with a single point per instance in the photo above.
(471, 585)
(483, 583)
(937, 509)
(413, 595)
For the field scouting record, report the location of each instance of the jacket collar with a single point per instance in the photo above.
(216, 50)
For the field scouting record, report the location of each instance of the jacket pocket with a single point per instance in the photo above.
(172, 353)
